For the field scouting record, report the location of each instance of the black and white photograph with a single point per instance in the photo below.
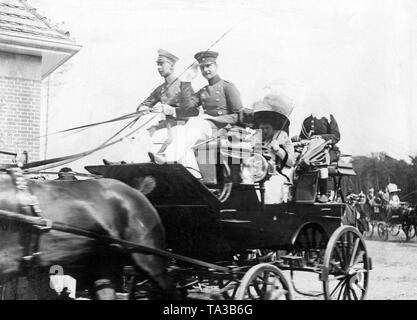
(196, 150)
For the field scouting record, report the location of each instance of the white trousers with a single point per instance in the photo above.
(185, 137)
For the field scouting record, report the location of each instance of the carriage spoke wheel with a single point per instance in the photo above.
(228, 288)
(264, 282)
(395, 229)
(409, 230)
(382, 231)
(346, 266)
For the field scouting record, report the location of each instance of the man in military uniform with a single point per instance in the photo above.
(321, 128)
(220, 101)
(168, 92)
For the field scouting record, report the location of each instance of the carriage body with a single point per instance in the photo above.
(221, 214)
(225, 221)
(199, 225)
(391, 221)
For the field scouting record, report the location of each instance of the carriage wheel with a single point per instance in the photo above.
(264, 282)
(412, 232)
(409, 230)
(382, 231)
(395, 229)
(137, 286)
(228, 289)
(346, 266)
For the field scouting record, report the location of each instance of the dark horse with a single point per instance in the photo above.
(104, 206)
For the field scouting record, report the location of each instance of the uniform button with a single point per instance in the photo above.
(219, 112)
(217, 99)
(217, 91)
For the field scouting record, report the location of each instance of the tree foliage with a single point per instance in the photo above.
(379, 169)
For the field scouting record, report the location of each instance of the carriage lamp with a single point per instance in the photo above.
(254, 168)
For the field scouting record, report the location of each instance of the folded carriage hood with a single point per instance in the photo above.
(174, 184)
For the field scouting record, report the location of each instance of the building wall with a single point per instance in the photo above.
(20, 102)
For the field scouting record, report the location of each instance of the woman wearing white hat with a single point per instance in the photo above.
(271, 116)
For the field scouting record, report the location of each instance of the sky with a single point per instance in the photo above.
(352, 58)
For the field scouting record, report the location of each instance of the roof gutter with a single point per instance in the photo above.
(17, 40)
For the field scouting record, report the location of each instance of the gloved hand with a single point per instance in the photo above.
(316, 137)
(158, 108)
(143, 109)
(168, 110)
(275, 146)
(296, 139)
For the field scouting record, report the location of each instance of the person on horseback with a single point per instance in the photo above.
(271, 117)
(220, 102)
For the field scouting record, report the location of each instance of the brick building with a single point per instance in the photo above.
(30, 50)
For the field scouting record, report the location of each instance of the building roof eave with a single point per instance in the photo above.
(38, 43)
(53, 52)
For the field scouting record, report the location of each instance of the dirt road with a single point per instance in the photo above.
(394, 274)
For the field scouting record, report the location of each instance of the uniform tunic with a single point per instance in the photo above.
(219, 99)
(166, 93)
(322, 127)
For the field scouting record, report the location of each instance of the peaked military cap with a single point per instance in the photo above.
(206, 57)
(164, 55)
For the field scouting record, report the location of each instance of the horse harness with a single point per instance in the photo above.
(29, 216)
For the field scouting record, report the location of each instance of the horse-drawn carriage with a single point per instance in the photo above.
(245, 243)
(219, 230)
(387, 220)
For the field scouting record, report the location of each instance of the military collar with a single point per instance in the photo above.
(214, 80)
(170, 79)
